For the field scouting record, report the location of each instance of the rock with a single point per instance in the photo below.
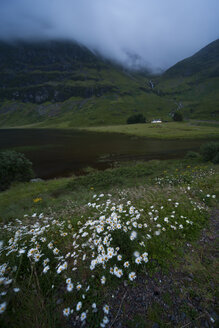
(59, 301)
(188, 279)
(183, 316)
(156, 291)
(190, 305)
(173, 318)
(155, 325)
(191, 275)
(206, 324)
(197, 299)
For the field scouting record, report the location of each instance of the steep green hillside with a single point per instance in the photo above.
(194, 84)
(204, 62)
(63, 84)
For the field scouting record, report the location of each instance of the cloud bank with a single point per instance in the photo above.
(155, 33)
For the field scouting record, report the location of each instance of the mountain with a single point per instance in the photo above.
(60, 83)
(204, 62)
(46, 71)
(64, 84)
(193, 84)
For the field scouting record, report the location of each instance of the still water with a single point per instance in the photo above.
(56, 152)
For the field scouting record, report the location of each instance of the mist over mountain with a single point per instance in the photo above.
(62, 83)
(152, 34)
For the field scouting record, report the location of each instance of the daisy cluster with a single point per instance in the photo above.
(190, 175)
(111, 243)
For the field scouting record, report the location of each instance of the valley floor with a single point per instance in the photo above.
(165, 130)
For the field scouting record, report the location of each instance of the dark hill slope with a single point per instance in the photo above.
(52, 55)
(39, 72)
(205, 61)
(193, 84)
(65, 84)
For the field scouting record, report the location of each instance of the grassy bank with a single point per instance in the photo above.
(168, 130)
(56, 193)
(86, 247)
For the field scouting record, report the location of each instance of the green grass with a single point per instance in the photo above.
(168, 130)
(99, 93)
(20, 197)
(110, 108)
(57, 193)
(155, 183)
(132, 96)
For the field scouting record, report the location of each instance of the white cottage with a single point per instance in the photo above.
(156, 121)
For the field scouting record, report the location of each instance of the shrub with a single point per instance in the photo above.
(14, 167)
(192, 155)
(210, 150)
(110, 177)
(216, 159)
(177, 117)
(137, 118)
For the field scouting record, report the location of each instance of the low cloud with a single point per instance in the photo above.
(139, 33)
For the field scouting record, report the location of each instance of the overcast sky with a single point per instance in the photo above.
(159, 32)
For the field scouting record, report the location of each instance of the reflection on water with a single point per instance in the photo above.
(56, 152)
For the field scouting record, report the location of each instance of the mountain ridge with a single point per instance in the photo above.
(61, 83)
(197, 63)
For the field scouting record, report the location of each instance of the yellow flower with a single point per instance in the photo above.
(37, 200)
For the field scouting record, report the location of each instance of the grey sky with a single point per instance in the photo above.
(160, 32)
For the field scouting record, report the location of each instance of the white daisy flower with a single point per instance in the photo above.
(133, 235)
(136, 254)
(106, 309)
(64, 265)
(70, 287)
(55, 251)
(60, 269)
(3, 307)
(126, 264)
(45, 262)
(79, 306)
(46, 269)
(103, 280)
(37, 257)
(16, 290)
(119, 273)
(132, 276)
(105, 320)
(50, 245)
(83, 316)
(119, 257)
(66, 312)
(138, 260)
(78, 287)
